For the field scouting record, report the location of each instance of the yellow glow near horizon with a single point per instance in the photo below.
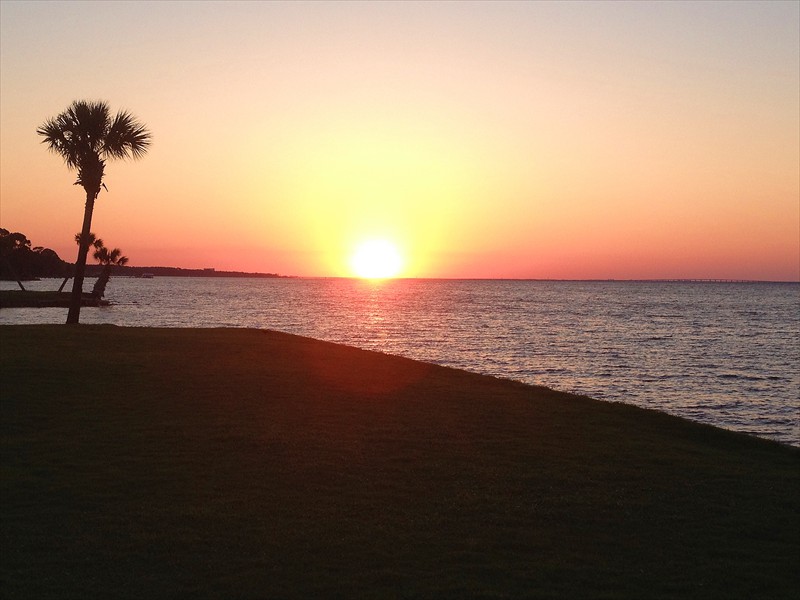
(510, 140)
(376, 259)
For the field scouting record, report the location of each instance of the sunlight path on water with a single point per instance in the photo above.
(725, 354)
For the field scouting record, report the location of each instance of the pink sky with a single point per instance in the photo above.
(531, 140)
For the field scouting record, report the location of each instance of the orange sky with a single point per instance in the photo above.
(532, 140)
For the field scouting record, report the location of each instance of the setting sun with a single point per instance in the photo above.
(376, 259)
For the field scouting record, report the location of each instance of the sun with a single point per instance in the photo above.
(376, 259)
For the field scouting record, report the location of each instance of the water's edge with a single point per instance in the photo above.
(720, 353)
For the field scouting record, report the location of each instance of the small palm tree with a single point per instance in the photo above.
(107, 258)
(85, 136)
(93, 241)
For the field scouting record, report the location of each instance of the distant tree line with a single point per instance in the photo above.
(181, 272)
(18, 260)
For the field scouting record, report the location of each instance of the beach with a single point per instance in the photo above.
(146, 462)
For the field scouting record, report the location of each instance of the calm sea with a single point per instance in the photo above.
(721, 353)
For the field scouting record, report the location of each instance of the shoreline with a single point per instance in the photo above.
(684, 387)
(252, 463)
(182, 273)
(39, 299)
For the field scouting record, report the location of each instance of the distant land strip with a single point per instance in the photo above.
(94, 271)
(179, 272)
(706, 281)
(20, 261)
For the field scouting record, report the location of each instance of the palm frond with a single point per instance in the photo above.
(57, 133)
(104, 256)
(126, 137)
(101, 255)
(115, 256)
(84, 135)
(93, 240)
(91, 121)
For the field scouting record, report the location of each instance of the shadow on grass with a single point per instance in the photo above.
(250, 464)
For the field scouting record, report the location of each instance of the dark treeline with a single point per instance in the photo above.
(176, 272)
(19, 260)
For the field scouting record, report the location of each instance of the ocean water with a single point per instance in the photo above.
(727, 354)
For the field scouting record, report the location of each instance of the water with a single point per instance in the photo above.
(726, 354)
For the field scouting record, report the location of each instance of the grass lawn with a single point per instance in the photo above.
(218, 463)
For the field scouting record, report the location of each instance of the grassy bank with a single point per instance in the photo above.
(250, 464)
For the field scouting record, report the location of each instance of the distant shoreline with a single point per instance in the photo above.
(146, 272)
(142, 272)
(181, 272)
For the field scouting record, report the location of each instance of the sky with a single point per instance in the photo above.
(560, 140)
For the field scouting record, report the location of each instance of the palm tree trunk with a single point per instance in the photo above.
(100, 285)
(80, 264)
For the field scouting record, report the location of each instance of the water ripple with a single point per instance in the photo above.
(725, 354)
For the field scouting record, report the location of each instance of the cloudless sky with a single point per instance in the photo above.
(499, 139)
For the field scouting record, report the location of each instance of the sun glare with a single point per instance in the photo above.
(376, 259)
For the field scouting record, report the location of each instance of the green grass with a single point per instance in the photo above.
(214, 463)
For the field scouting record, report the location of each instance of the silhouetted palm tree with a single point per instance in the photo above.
(107, 258)
(85, 136)
(93, 241)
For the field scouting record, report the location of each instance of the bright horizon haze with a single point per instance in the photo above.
(547, 140)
